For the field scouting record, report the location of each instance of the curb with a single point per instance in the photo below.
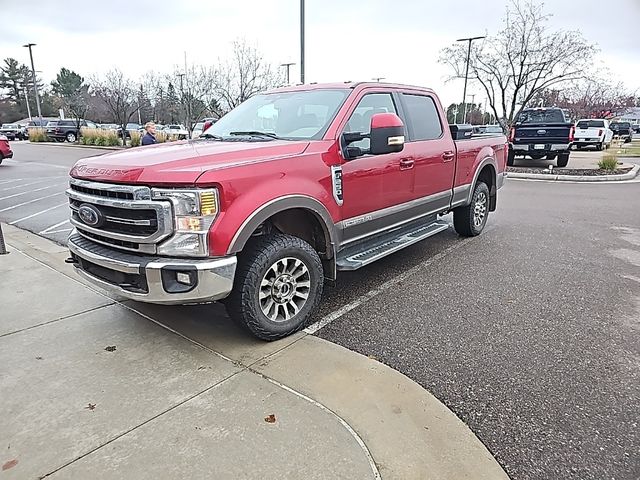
(576, 178)
(405, 431)
(94, 147)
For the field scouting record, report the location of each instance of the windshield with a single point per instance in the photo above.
(621, 124)
(9, 125)
(541, 116)
(300, 115)
(590, 124)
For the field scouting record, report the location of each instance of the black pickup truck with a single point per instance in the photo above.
(542, 133)
(622, 130)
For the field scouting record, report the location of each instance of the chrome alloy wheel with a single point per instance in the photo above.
(284, 289)
(480, 209)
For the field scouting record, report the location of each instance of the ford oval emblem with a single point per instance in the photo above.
(542, 132)
(90, 215)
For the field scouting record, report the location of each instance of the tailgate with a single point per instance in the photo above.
(526, 134)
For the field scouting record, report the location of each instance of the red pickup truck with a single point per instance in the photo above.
(280, 194)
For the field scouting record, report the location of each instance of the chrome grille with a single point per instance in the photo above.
(130, 219)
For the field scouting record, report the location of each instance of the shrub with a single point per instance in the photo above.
(37, 134)
(161, 137)
(99, 137)
(135, 139)
(608, 162)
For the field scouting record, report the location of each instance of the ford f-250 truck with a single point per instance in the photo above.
(283, 192)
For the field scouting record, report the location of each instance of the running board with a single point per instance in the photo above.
(353, 258)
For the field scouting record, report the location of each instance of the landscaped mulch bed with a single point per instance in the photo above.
(570, 171)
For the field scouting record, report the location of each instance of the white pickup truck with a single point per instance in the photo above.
(593, 132)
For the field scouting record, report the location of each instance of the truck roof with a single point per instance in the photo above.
(347, 85)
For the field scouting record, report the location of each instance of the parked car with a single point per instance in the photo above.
(540, 133)
(5, 148)
(12, 131)
(178, 131)
(108, 126)
(622, 130)
(288, 189)
(61, 130)
(199, 127)
(636, 127)
(130, 127)
(593, 132)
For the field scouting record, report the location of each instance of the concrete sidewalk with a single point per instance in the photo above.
(94, 387)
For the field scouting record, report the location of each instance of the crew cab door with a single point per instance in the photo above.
(372, 184)
(430, 146)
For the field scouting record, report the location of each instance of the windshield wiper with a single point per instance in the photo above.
(255, 133)
(211, 136)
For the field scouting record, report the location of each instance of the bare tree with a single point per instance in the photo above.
(120, 96)
(590, 97)
(244, 75)
(196, 92)
(521, 60)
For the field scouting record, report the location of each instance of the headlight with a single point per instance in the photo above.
(194, 213)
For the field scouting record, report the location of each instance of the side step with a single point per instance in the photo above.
(363, 254)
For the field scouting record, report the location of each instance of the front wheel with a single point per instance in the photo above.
(470, 220)
(278, 284)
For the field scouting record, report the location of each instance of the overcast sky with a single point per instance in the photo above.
(346, 40)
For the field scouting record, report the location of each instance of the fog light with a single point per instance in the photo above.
(183, 278)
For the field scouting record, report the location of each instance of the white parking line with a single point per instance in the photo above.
(30, 201)
(52, 227)
(24, 185)
(65, 204)
(15, 162)
(12, 180)
(327, 319)
(30, 191)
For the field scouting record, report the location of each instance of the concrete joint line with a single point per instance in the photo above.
(120, 435)
(243, 367)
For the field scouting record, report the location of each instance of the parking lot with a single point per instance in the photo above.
(32, 187)
(529, 332)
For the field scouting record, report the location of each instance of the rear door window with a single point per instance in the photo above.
(422, 116)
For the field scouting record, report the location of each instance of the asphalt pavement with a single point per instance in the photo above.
(529, 332)
(32, 187)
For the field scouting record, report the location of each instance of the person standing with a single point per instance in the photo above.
(149, 137)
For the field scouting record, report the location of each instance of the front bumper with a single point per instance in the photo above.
(152, 279)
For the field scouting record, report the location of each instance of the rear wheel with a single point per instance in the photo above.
(511, 156)
(563, 159)
(551, 156)
(278, 284)
(71, 137)
(600, 146)
(469, 220)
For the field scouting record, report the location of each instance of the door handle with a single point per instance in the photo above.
(448, 156)
(406, 163)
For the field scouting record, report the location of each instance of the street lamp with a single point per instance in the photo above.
(287, 66)
(466, 73)
(35, 83)
(301, 41)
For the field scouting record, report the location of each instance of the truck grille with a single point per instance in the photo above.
(120, 216)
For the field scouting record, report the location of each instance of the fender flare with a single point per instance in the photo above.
(487, 161)
(280, 204)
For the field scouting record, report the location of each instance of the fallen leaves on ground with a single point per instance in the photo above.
(270, 419)
(110, 348)
(9, 464)
(91, 406)
(38, 358)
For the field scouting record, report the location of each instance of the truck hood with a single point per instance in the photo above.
(180, 162)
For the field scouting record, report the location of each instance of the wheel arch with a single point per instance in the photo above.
(487, 172)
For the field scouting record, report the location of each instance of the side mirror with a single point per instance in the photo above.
(387, 134)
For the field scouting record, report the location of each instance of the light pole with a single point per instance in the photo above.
(287, 66)
(26, 97)
(466, 74)
(301, 41)
(35, 83)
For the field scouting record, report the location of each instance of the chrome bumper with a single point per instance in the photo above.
(212, 279)
(552, 147)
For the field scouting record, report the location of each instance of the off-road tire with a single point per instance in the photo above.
(258, 256)
(563, 160)
(463, 217)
